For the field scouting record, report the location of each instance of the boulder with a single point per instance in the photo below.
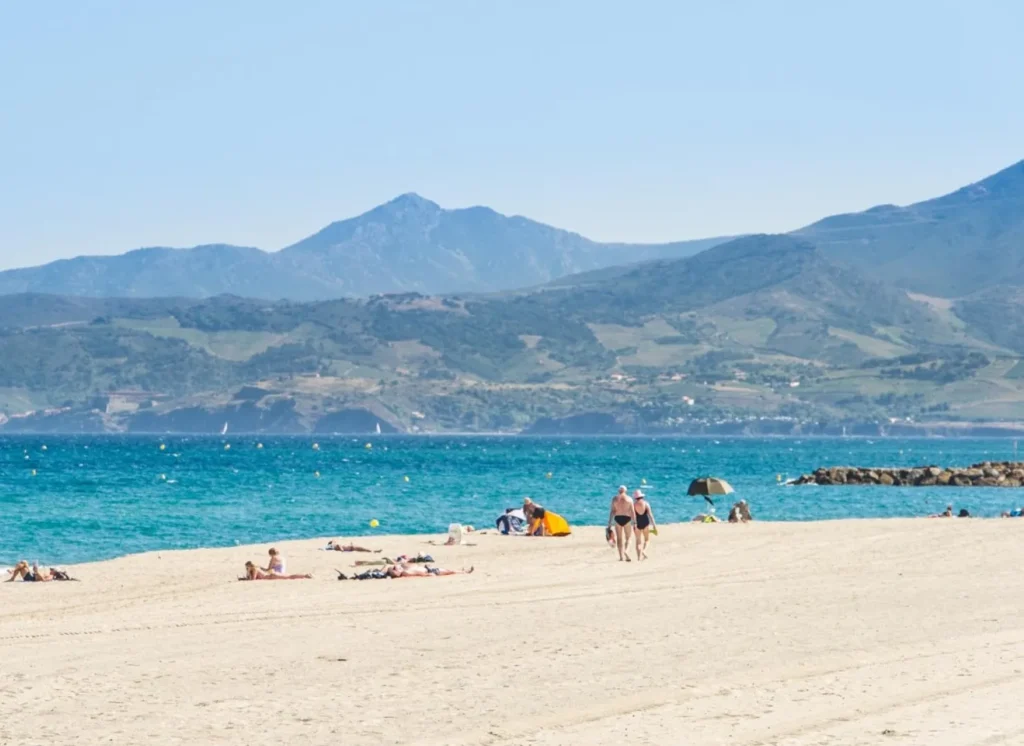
(885, 478)
(933, 471)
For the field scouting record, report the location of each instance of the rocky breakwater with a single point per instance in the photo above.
(986, 474)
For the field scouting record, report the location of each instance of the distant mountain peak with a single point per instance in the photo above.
(412, 199)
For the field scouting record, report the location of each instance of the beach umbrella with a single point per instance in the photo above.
(708, 486)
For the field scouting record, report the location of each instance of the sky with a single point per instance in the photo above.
(256, 122)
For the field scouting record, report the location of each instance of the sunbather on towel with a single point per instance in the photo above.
(337, 546)
(410, 571)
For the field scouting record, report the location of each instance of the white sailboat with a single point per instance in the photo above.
(378, 428)
(224, 430)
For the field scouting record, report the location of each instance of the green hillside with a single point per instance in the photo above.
(761, 329)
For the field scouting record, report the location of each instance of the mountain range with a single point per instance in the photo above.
(950, 246)
(409, 244)
(758, 334)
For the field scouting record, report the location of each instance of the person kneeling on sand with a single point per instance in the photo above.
(254, 573)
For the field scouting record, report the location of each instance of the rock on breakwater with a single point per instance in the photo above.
(985, 474)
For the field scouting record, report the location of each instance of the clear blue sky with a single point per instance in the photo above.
(129, 124)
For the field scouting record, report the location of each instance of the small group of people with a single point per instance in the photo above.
(738, 513)
(33, 574)
(275, 569)
(629, 516)
(411, 568)
(1015, 513)
(948, 513)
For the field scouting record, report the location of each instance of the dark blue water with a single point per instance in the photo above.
(99, 497)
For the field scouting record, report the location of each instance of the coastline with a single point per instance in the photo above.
(791, 632)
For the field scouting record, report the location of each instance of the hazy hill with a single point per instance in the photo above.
(950, 246)
(408, 244)
(720, 336)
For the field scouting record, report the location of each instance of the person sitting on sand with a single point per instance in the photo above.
(644, 524)
(622, 513)
(1018, 513)
(337, 546)
(947, 513)
(276, 564)
(254, 573)
(740, 513)
(964, 513)
(411, 571)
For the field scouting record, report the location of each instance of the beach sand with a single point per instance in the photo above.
(838, 633)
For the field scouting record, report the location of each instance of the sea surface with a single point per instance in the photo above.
(75, 499)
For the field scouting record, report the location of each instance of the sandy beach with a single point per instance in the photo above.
(839, 633)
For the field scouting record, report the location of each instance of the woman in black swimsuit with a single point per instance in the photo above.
(622, 515)
(644, 524)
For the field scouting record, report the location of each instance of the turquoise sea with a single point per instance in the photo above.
(74, 499)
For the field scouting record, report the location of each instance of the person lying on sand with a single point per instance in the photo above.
(337, 546)
(410, 571)
(29, 574)
(704, 518)
(34, 575)
(255, 573)
(399, 560)
(947, 513)
(401, 571)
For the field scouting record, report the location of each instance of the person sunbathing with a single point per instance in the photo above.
(255, 573)
(29, 574)
(337, 546)
(399, 560)
(410, 571)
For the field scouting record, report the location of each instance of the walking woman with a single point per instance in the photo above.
(622, 515)
(644, 524)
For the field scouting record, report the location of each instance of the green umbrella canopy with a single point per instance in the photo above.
(709, 486)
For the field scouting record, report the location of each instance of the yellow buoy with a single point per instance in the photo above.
(368, 446)
(33, 472)
(259, 446)
(163, 477)
(316, 474)
(163, 447)
(778, 477)
(374, 523)
(406, 479)
(227, 446)
(549, 475)
(316, 446)
(44, 448)
(643, 481)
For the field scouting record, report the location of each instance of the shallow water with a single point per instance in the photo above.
(100, 497)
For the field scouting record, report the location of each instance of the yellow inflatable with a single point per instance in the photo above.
(550, 524)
